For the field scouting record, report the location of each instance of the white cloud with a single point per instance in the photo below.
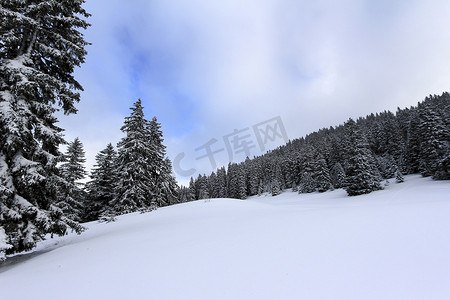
(206, 68)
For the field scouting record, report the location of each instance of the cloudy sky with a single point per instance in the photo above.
(207, 68)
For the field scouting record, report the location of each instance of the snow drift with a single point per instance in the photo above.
(390, 244)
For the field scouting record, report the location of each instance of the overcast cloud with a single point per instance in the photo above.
(205, 68)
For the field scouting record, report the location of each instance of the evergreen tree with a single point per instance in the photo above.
(192, 191)
(277, 187)
(203, 187)
(236, 185)
(72, 196)
(307, 184)
(362, 174)
(167, 184)
(73, 168)
(101, 187)
(321, 174)
(136, 175)
(183, 194)
(338, 176)
(40, 44)
(222, 183)
(213, 185)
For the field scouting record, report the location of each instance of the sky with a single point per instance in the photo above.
(218, 74)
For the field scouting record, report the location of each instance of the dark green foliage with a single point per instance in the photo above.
(101, 188)
(434, 136)
(72, 197)
(135, 185)
(307, 183)
(338, 176)
(236, 181)
(362, 174)
(40, 45)
(321, 174)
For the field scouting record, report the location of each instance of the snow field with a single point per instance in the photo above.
(390, 244)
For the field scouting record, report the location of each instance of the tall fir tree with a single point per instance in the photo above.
(101, 188)
(362, 175)
(71, 198)
(222, 183)
(136, 178)
(192, 192)
(434, 136)
(165, 187)
(321, 174)
(167, 184)
(40, 46)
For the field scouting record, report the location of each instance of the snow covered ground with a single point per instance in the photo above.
(390, 244)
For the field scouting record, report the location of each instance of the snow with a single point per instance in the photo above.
(390, 244)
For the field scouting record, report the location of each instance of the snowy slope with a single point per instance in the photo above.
(391, 244)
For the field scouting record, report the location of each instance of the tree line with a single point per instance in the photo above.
(357, 156)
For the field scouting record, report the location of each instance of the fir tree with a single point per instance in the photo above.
(135, 186)
(321, 174)
(192, 193)
(434, 137)
(167, 184)
(362, 175)
(40, 46)
(222, 183)
(307, 184)
(203, 188)
(277, 187)
(399, 176)
(338, 176)
(73, 168)
(236, 184)
(72, 196)
(164, 189)
(101, 189)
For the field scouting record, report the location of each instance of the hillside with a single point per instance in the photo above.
(390, 244)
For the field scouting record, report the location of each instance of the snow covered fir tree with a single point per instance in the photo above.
(101, 188)
(41, 44)
(71, 192)
(140, 177)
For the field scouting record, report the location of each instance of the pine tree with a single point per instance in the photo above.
(192, 193)
(135, 186)
(434, 136)
(213, 186)
(307, 184)
(73, 168)
(164, 189)
(72, 196)
(277, 180)
(40, 44)
(101, 189)
(183, 194)
(362, 174)
(222, 183)
(167, 185)
(321, 174)
(338, 176)
(236, 185)
(203, 188)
